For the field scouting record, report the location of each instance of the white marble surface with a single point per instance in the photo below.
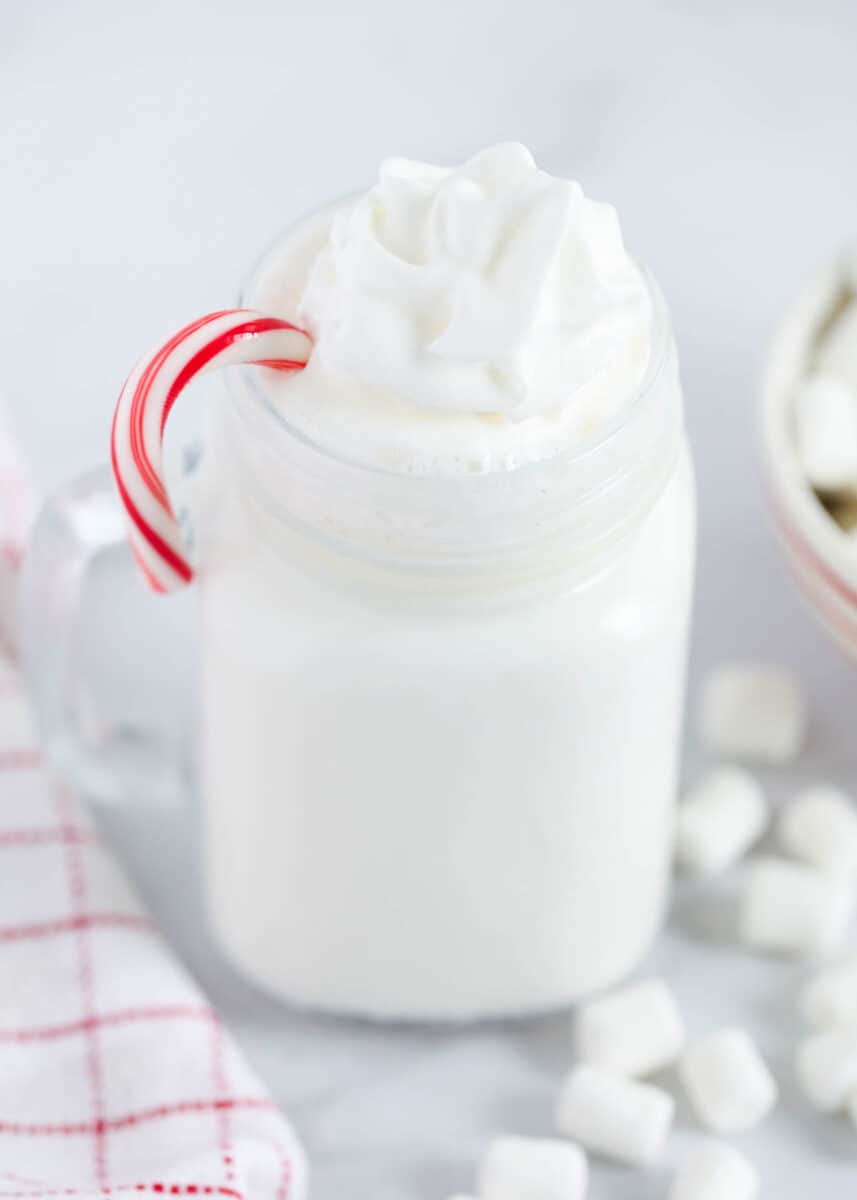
(150, 150)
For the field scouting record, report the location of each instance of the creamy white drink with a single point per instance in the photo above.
(445, 576)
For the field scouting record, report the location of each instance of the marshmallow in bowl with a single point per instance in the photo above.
(836, 351)
(814, 524)
(824, 400)
(825, 417)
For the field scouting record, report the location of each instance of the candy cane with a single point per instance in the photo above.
(220, 339)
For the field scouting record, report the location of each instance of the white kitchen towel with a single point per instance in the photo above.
(115, 1075)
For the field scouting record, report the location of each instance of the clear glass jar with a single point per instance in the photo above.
(441, 715)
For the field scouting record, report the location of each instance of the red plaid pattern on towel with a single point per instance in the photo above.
(115, 1076)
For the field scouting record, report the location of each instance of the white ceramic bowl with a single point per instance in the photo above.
(822, 556)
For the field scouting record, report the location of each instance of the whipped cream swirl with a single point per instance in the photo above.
(491, 288)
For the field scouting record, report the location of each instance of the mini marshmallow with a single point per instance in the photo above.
(825, 422)
(719, 820)
(752, 710)
(727, 1081)
(820, 827)
(633, 1031)
(520, 1168)
(615, 1117)
(716, 1172)
(830, 998)
(826, 1067)
(793, 909)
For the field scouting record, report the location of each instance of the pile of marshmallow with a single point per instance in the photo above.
(798, 902)
(825, 415)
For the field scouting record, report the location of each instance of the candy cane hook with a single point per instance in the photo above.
(218, 340)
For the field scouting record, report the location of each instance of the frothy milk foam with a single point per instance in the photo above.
(429, 793)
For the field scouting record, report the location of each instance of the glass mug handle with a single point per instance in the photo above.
(110, 672)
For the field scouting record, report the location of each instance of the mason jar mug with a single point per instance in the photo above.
(439, 715)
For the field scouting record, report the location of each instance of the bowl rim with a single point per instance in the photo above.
(803, 523)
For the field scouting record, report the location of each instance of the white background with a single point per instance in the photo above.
(148, 151)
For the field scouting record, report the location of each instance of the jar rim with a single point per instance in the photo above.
(254, 381)
(577, 504)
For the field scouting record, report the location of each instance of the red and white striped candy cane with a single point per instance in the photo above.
(218, 340)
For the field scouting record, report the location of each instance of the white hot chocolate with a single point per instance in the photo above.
(445, 584)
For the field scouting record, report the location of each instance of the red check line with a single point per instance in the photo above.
(76, 877)
(159, 1189)
(74, 923)
(189, 1189)
(132, 1120)
(68, 835)
(285, 1178)
(20, 760)
(21, 1180)
(220, 1087)
(127, 1016)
